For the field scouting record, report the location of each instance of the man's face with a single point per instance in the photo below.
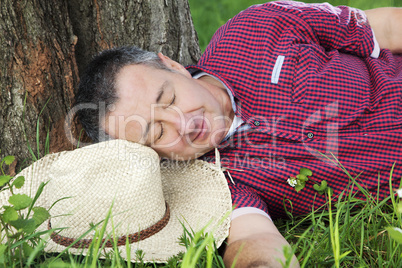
(178, 116)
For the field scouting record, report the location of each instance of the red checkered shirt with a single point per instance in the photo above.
(303, 79)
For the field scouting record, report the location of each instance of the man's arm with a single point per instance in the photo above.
(254, 241)
(387, 26)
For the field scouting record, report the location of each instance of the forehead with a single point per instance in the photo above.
(141, 85)
(136, 87)
(139, 77)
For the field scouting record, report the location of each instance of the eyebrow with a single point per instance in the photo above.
(161, 91)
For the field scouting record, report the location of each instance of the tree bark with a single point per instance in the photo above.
(38, 75)
(46, 43)
(155, 25)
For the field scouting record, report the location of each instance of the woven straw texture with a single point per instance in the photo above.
(129, 177)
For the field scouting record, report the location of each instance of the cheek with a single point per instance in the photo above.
(175, 153)
(132, 131)
(194, 97)
(171, 143)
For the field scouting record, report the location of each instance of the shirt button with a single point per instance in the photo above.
(310, 135)
(256, 123)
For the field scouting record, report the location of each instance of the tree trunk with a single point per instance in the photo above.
(46, 43)
(155, 25)
(38, 75)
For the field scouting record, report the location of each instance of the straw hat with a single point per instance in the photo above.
(151, 200)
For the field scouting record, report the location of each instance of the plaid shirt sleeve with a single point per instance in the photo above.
(244, 196)
(342, 28)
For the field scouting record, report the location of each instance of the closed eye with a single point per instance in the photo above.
(173, 100)
(161, 134)
(170, 104)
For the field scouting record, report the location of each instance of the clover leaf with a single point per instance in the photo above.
(9, 159)
(19, 182)
(302, 177)
(27, 225)
(321, 188)
(299, 182)
(306, 172)
(4, 179)
(40, 215)
(10, 214)
(300, 187)
(20, 201)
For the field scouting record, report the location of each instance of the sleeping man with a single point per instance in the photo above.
(281, 86)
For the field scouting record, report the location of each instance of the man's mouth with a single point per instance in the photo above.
(202, 130)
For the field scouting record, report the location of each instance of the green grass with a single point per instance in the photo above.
(351, 233)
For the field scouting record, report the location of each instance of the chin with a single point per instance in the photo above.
(193, 153)
(177, 157)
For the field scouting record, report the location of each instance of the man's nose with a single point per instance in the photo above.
(183, 122)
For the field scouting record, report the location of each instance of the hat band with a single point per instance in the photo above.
(138, 236)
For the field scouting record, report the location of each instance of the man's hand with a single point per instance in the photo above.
(387, 26)
(254, 241)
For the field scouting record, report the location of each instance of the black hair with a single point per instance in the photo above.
(97, 91)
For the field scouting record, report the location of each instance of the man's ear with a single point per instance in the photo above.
(174, 65)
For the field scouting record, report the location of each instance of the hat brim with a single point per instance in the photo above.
(196, 192)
